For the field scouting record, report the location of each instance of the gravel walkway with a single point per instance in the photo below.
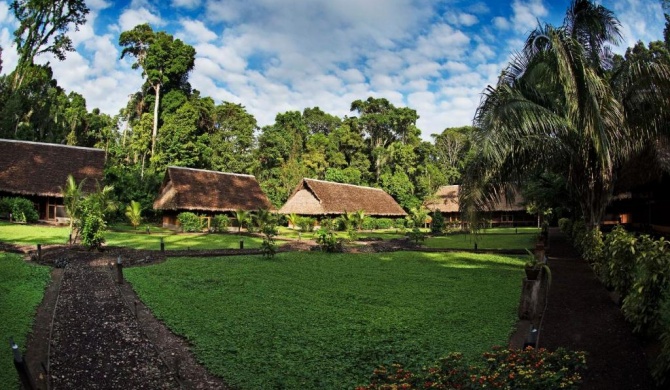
(96, 341)
(582, 316)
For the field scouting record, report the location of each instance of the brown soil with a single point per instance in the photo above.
(581, 316)
(104, 337)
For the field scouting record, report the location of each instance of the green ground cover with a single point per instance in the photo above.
(385, 234)
(21, 290)
(325, 321)
(488, 240)
(118, 235)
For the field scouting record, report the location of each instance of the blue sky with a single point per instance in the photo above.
(273, 56)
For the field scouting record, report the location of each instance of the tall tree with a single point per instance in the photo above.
(162, 59)
(554, 108)
(43, 25)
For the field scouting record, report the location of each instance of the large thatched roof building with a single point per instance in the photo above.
(321, 198)
(207, 192)
(37, 171)
(501, 212)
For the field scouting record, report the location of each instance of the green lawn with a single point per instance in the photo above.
(489, 240)
(325, 321)
(21, 289)
(119, 235)
(386, 234)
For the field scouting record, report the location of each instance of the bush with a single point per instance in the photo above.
(269, 246)
(642, 305)
(383, 223)
(565, 224)
(327, 241)
(618, 270)
(22, 209)
(91, 224)
(221, 222)
(399, 223)
(189, 222)
(502, 368)
(369, 223)
(438, 223)
(306, 224)
(416, 235)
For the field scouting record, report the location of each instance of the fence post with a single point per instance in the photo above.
(119, 270)
(39, 251)
(162, 245)
(21, 367)
(241, 244)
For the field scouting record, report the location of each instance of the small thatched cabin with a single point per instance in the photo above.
(500, 213)
(37, 171)
(207, 192)
(323, 198)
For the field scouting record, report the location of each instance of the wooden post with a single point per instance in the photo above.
(162, 245)
(119, 270)
(241, 244)
(39, 251)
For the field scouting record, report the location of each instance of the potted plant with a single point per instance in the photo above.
(534, 266)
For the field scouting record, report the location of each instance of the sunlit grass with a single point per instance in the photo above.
(21, 290)
(325, 321)
(483, 240)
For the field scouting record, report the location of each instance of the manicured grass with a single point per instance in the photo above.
(33, 234)
(386, 234)
(483, 240)
(141, 240)
(21, 290)
(130, 238)
(325, 321)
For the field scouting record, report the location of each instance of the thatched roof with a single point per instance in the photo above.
(318, 197)
(446, 200)
(201, 190)
(33, 168)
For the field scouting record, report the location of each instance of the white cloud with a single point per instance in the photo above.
(191, 4)
(501, 23)
(462, 19)
(135, 16)
(527, 13)
(195, 30)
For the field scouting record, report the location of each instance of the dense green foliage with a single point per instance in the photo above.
(21, 289)
(220, 223)
(21, 209)
(527, 369)
(190, 222)
(312, 320)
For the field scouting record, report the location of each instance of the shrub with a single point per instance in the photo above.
(134, 213)
(221, 222)
(91, 224)
(327, 223)
(269, 246)
(416, 235)
(438, 223)
(383, 223)
(399, 223)
(22, 209)
(502, 368)
(189, 222)
(306, 224)
(618, 270)
(369, 223)
(565, 224)
(327, 241)
(642, 305)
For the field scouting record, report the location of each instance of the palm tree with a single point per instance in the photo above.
(293, 219)
(358, 219)
(263, 217)
(555, 108)
(242, 217)
(72, 196)
(134, 213)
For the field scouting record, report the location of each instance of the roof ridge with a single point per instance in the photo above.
(208, 170)
(49, 144)
(344, 184)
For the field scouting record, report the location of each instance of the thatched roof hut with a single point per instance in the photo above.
(445, 200)
(318, 197)
(188, 189)
(40, 169)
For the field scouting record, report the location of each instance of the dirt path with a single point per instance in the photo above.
(581, 316)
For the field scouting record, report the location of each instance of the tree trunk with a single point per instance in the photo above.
(157, 88)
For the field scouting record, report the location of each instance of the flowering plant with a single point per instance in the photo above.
(502, 369)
